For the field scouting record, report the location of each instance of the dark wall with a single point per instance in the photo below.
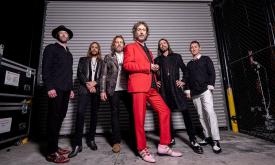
(21, 25)
(243, 25)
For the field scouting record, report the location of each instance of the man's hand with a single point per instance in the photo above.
(93, 90)
(103, 96)
(91, 83)
(180, 84)
(158, 84)
(52, 93)
(72, 94)
(154, 67)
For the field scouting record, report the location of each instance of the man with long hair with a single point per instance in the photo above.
(113, 87)
(138, 61)
(88, 74)
(171, 88)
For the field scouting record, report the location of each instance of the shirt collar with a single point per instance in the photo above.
(197, 57)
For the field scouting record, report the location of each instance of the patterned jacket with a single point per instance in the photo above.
(109, 74)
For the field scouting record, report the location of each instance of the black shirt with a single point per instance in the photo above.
(57, 67)
(146, 50)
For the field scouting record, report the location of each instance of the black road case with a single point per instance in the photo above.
(16, 92)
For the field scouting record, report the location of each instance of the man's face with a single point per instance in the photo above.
(141, 33)
(94, 49)
(163, 46)
(119, 44)
(195, 49)
(62, 36)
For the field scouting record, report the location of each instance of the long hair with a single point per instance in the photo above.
(136, 25)
(169, 48)
(113, 42)
(89, 53)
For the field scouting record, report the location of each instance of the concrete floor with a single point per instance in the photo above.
(238, 149)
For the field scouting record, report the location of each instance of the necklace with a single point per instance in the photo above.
(93, 62)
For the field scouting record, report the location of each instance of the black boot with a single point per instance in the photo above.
(75, 151)
(92, 145)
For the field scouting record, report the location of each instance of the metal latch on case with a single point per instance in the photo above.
(27, 87)
(24, 108)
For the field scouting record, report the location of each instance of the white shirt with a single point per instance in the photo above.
(121, 81)
(93, 67)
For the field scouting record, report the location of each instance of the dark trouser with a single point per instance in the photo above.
(83, 102)
(188, 124)
(56, 113)
(114, 102)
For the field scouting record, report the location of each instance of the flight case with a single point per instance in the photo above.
(16, 92)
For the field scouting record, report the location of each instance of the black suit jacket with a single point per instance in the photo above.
(83, 74)
(57, 71)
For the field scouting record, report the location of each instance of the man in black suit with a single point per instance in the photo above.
(88, 74)
(57, 76)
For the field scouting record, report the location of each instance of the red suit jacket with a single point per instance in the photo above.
(138, 65)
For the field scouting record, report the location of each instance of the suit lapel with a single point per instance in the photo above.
(88, 67)
(114, 57)
(140, 48)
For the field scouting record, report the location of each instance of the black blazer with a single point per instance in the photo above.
(57, 71)
(83, 74)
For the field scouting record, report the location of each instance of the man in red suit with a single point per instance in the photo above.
(142, 84)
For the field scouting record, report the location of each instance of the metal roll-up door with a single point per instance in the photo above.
(179, 22)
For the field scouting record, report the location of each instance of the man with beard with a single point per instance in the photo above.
(88, 74)
(201, 80)
(57, 76)
(171, 88)
(138, 61)
(113, 87)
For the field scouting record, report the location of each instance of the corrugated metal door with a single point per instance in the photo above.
(179, 22)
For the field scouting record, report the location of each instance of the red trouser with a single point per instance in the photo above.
(139, 108)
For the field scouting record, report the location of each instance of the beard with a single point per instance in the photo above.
(118, 50)
(62, 40)
(163, 49)
(143, 39)
(93, 54)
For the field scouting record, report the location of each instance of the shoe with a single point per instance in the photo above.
(63, 151)
(92, 145)
(166, 150)
(206, 141)
(196, 147)
(116, 148)
(216, 147)
(57, 158)
(75, 151)
(146, 156)
(173, 142)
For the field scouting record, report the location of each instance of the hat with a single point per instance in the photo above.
(62, 28)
